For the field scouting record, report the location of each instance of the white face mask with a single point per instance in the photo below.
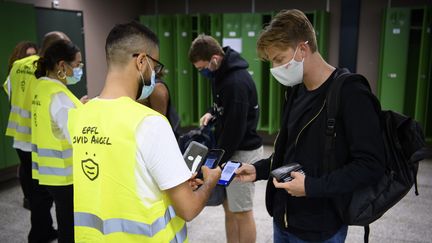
(291, 73)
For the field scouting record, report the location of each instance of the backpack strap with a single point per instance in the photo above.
(366, 234)
(332, 102)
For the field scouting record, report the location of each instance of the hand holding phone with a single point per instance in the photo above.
(228, 172)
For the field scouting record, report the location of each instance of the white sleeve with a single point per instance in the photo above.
(59, 108)
(158, 149)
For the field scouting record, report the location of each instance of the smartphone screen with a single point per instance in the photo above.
(211, 160)
(228, 173)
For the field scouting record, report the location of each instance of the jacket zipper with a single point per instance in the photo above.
(307, 124)
(285, 217)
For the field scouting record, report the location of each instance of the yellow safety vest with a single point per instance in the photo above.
(51, 156)
(23, 81)
(107, 207)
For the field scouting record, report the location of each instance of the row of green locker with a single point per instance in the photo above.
(190, 91)
(405, 74)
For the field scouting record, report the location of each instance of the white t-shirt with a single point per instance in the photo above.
(160, 163)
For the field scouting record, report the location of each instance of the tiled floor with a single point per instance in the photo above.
(409, 221)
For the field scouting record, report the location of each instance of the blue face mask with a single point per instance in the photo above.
(77, 74)
(147, 89)
(206, 72)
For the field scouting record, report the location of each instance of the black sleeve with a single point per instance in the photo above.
(262, 168)
(361, 123)
(235, 104)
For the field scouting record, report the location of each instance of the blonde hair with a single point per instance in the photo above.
(287, 29)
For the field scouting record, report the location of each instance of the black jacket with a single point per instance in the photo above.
(235, 104)
(359, 150)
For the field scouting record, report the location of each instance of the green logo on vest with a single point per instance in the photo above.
(90, 169)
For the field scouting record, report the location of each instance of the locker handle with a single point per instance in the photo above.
(392, 75)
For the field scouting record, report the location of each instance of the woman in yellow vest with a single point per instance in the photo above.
(51, 152)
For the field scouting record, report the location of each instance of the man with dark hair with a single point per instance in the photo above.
(236, 112)
(22, 81)
(130, 180)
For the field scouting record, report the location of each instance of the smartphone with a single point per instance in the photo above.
(283, 174)
(194, 155)
(211, 160)
(228, 172)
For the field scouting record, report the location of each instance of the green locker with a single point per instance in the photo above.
(320, 20)
(428, 124)
(231, 24)
(216, 26)
(151, 21)
(166, 34)
(252, 25)
(204, 25)
(18, 28)
(186, 92)
(423, 65)
(391, 83)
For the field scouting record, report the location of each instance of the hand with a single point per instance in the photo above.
(295, 187)
(246, 173)
(211, 176)
(84, 99)
(194, 182)
(205, 119)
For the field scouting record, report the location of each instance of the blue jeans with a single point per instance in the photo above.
(282, 236)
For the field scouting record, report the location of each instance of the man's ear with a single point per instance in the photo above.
(140, 61)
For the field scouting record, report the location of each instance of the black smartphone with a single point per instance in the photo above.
(283, 174)
(194, 155)
(211, 160)
(228, 172)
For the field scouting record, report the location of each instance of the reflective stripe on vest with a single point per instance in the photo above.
(128, 226)
(23, 113)
(45, 170)
(52, 153)
(18, 128)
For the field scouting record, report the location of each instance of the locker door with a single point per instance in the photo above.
(150, 21)
(167, 53)
(18, 27)
(423, 67)
(204, 26)
(216, 27)
(251, 27)
(231, 35)
(393, 59)
(71, 23)
(186, 92)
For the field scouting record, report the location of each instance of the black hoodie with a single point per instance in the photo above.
(235, 104)
(359, 149)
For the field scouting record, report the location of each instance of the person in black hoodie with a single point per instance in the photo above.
(236, 114)
(306, 208)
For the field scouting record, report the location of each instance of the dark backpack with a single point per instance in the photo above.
(404, 148)
(203, 135)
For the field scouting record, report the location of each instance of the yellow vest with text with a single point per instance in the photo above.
(107, 206)
(23, 81)
(51, 156)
